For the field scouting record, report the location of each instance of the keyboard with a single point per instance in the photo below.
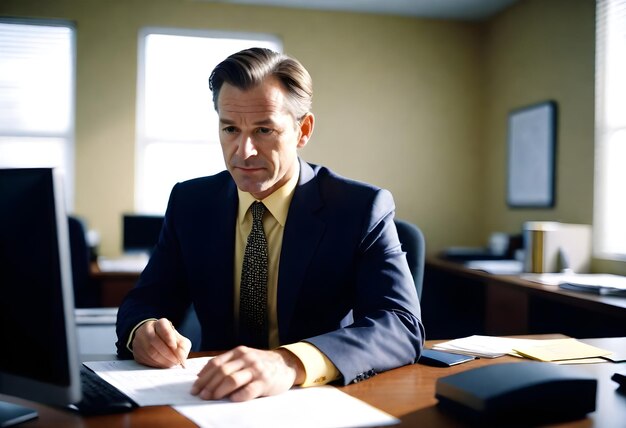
(100, 397)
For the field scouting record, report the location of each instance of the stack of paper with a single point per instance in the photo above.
(134, 263)
(497, 267)
(482, 346)
(597, 283)
(554, 278)
(562, 351)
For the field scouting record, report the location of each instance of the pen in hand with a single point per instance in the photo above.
(179, 349)
(181, 356)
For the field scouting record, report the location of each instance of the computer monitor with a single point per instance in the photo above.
(141, 232)
(39, 357)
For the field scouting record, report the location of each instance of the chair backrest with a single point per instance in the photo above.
(86, 293)
(414, 245)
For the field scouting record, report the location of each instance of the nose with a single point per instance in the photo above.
(246, 147)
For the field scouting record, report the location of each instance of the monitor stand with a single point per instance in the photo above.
(13, 414)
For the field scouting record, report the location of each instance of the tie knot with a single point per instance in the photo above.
(258, 209)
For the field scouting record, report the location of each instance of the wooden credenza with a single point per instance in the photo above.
(113, 285)
(458, 301)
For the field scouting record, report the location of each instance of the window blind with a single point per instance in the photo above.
(610, 134)
(36, 96)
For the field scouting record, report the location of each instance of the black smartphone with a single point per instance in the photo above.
(432, 357)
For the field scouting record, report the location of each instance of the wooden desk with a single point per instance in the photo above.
(458, 302)
(113, 285)
(407, 393)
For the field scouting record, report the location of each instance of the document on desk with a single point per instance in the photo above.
(482, 346)
(561, 350)
(323, 406)
(148, 386)
(596, 283)
(497, 267)
(316, 407)
(135, 263)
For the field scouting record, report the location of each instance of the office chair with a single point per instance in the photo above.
(86, 292)
(414, 245)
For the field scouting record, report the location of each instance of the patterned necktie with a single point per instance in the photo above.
(253, 291)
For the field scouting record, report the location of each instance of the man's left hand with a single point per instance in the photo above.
(244, 373)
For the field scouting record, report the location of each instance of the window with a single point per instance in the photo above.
(37, 96)
(177, 133)
(610, 197)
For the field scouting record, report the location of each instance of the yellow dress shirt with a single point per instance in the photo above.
(319, 369)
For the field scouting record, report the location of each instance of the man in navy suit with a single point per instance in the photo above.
(341, 304)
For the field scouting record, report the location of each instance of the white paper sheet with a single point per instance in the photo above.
(590, 279)
(148, 386)
(316, 407)
(134, 263)
(483, 346)
(497, 267)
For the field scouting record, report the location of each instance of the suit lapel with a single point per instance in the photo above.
(220, 248)
(302, 234)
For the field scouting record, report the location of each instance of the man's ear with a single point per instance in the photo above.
(306, 129)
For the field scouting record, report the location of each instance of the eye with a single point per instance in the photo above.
(229, 130)
(264, 131)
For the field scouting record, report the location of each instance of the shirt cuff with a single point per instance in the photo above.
(131, 336)
(319, 370)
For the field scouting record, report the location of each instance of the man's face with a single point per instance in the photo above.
(259, 136)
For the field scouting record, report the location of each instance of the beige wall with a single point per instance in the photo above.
(417, 106)
(535, 51)
(539, 50)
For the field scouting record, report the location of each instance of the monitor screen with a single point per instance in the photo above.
(141, 232)
(39, 358)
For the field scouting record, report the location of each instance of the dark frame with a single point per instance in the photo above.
(532, 156)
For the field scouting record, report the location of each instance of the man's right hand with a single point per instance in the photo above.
(158, 344)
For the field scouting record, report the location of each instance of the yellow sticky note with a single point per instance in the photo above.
(560, 349)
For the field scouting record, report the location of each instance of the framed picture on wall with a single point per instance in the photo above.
(532, 156)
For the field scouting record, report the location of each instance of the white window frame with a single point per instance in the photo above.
(66, 138)
(143, 189)
(610, 131)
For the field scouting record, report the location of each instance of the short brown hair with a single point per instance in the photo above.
(248, 68)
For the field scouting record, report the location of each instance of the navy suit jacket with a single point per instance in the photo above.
(344, 284)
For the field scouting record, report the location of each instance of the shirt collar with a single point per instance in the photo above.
(277, 203)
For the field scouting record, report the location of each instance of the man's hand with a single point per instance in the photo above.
(244, 373)
(158, 344)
